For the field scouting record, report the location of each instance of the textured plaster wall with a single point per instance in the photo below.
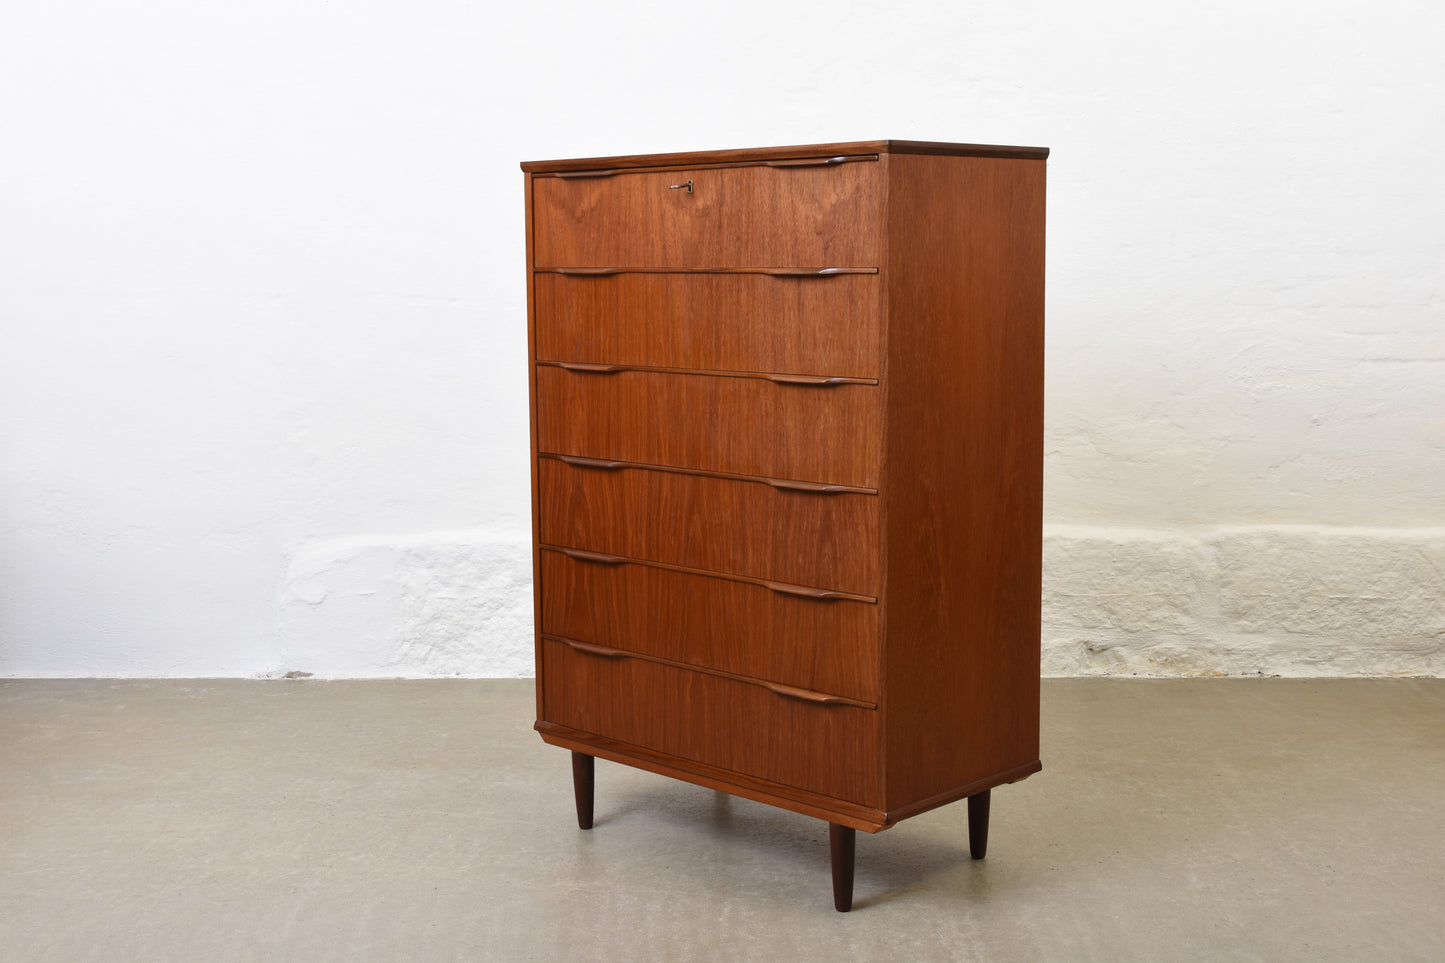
(262, 379)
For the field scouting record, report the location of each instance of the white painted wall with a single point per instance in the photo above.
(262, 377)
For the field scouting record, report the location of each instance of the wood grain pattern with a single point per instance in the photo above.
(757, 154)
(867, 818)
(532, 439)
(832, 215)
(712, 523)
(823, 434)
(786, 484)
(742, 322)
(591, 367)
(776, 272)
(738, 627)
(786, 691)
(743, 728)
(964, 489)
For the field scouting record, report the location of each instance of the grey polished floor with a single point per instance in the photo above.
(300, 820)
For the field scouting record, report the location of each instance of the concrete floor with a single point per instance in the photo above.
(276, 820)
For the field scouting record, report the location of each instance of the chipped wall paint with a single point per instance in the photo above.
(432, 606)
(1279, 600)
(1244, 600)
(262, 305)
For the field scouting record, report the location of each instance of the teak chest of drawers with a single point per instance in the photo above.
(787, 472)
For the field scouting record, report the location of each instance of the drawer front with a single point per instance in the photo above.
(739, 322)
(735, 217)
(737, 726)
(717, 524)
(828, 645)
(747, 426)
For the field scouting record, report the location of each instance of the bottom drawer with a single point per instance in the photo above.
(744, 728)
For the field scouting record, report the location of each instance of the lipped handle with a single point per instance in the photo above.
(817, 488)
(588, 368)
(795, 379)
(591, 649)
(597, 558)
(777, 272)
(808, 162)
(581, 462)
(826, 272)
(804, 591)
(806, 695)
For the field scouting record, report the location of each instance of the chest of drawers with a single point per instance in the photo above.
(787, 435)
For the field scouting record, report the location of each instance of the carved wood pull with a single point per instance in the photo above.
(804, 591)
(808, 162)
(777, 272)
(807, 695)
(590, 649)
(581, 462)
(826, 272)
(790, 379)
(596, 558)
(817, 488)
(580, 174)
(588, 368)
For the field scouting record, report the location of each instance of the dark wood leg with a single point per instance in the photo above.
(840, 846)
(582, 777)
(978, 824)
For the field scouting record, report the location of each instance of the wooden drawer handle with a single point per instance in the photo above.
(808, 162)
(589, 368)
(791, 379)
(804, 591)
(827, 272)
(777, 272)
(570, 175)
(590, 649)
(581, 462)
(807, 695)
(817, 488)
(597, 558)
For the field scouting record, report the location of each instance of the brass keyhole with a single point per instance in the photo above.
(677, 187)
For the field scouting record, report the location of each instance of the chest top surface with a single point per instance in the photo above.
(799, 152)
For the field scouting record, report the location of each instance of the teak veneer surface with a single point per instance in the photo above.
(827, 749)
(764, 154)
(739, 322)
(827, 645)
(819, 433)
(729, 219)
(964, 496)
(696, 521)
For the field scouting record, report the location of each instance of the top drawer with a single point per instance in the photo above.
(818, 215)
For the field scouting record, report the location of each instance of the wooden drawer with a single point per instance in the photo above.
(753, 216)
(738, 726)
(827, 645)
(739, 322)
(717, 524)
(749, 426)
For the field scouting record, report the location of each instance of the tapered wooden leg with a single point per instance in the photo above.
(582, 777)
(840, 846)
(978, 824)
